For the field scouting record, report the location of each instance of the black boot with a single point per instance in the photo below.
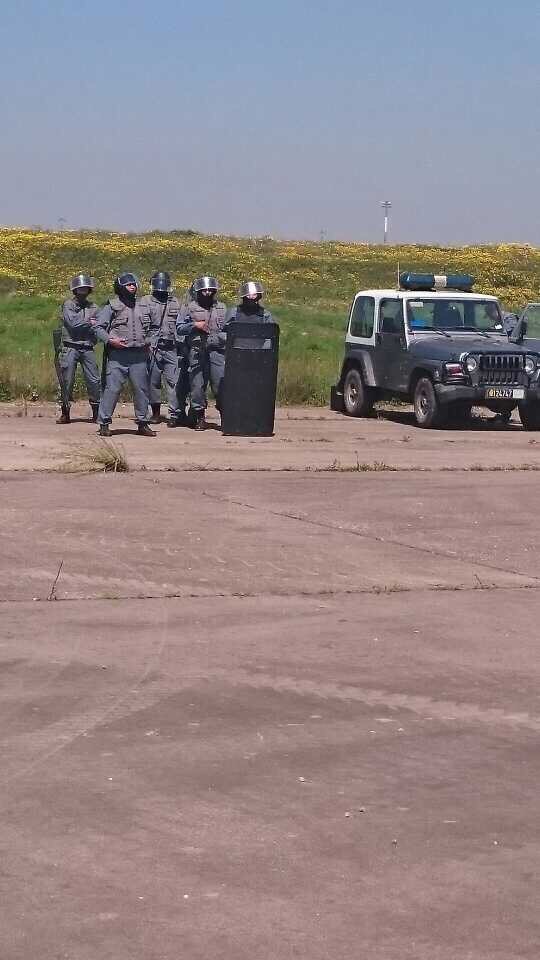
(179, 420)
(144, 430)
(95, 411)
(200, 422)
(156, 413)
(64, 416)
(104, 430)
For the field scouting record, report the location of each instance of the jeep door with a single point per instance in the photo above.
(360, 339)
(391, 347)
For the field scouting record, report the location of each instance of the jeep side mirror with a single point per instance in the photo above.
(517, 335)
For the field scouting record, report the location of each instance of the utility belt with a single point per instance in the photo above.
(203, 342)
(138, 347)
(73, 345)
(166, 345)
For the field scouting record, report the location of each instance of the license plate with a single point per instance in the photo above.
(505, 393)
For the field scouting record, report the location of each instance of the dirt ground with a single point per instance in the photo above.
(265, 699)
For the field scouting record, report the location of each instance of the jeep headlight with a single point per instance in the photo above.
(471, 363)
(530, 365)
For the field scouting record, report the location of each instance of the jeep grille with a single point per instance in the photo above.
(501, 368)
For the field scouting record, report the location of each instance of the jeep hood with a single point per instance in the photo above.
(437, 347)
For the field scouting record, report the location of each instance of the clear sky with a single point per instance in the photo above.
(284, 118)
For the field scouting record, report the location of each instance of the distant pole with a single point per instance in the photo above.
(322, 236)
(385, 204)
(61, 223)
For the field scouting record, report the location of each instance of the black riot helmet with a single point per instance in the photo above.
(80, 281)
(122, 281)
(160, 281)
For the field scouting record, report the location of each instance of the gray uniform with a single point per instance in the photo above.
(182, 385)
(129, 323)
(78, 341)
(205, 351)
(163, 360)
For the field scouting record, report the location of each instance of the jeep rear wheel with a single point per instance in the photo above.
(357, 398)
(530, 415)
(428, 411)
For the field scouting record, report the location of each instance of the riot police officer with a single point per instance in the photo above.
(202, 325)
(509, 322)
(77, 320)
(163, 308)
(251, 379)
(123, 326)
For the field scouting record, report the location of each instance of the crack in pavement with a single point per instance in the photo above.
(375, 591)
(371, 537)
(367, 467)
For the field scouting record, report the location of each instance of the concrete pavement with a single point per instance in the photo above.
(305, 439)
(271, 714)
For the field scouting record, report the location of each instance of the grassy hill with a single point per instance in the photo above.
(309, 286)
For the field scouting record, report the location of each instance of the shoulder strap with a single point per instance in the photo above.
(114, 311)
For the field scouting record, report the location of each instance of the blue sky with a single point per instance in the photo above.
(285, 118)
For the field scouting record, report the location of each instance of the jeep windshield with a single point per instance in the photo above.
(481, 316)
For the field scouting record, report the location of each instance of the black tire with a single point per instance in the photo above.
(530, 415)
(428, 411)
(459, 412)
(357, 398)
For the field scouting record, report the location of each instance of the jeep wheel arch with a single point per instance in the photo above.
(417, 375)
(350, 363)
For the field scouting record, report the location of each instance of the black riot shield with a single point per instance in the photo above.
(248, 399)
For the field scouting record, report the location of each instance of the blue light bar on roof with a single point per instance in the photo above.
(434, 281)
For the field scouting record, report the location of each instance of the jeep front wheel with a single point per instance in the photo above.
(357, 398)
(428, 411)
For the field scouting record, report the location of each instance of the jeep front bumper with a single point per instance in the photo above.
(480, 396)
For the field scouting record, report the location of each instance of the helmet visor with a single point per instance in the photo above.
(251, 288)
(161, 281)
(205, 283)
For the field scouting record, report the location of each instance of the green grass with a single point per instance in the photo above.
(310, 286)
(311, 349)
(311, 344)
(26, 355)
